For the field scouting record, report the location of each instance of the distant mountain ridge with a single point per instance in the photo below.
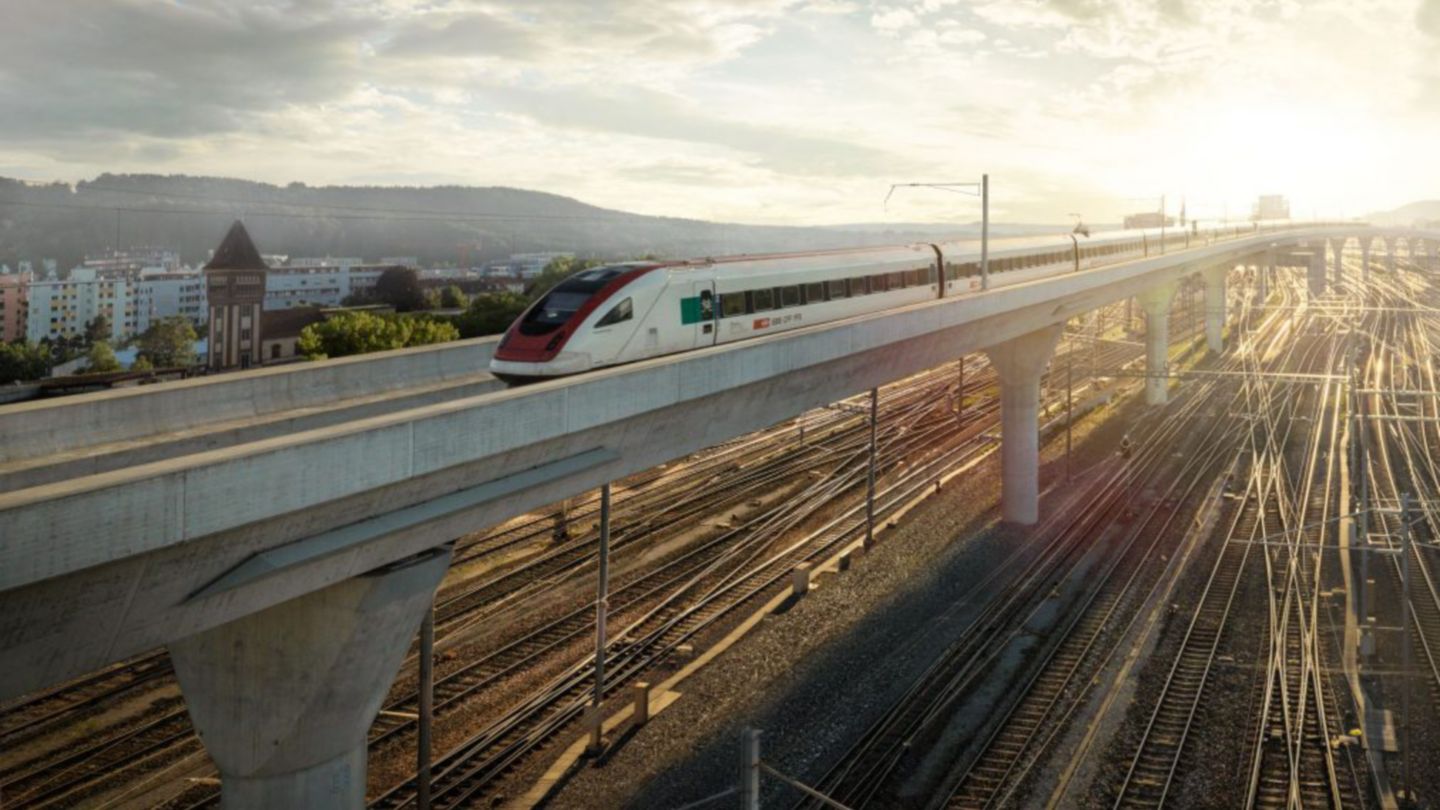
(437, 225)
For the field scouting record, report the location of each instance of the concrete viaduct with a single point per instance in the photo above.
(282, 531)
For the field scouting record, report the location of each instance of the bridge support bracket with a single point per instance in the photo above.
(1156, 304)
(283, 698)
(1214, 279)
(1019, 363)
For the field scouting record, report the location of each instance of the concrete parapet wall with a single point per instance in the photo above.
(42, 427)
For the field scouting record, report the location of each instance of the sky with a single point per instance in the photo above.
(762, 111)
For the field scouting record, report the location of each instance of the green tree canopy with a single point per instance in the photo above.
(97, 329)
(23, 361)
(490, 314)
(168, 343)
(362, 332)
(101, 358)
(142, 363)
(453, 297)
(400, 288)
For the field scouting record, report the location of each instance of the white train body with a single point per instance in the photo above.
(634, 311)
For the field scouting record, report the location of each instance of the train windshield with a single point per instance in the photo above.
(566, 298)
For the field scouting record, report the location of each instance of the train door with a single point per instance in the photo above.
(697, 313)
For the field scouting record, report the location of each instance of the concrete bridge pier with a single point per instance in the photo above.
(1315, 273)
(1337, 273)
(1267, 269)
(1365, 260)
(1156, 304)
(283, 699)
(1214, 279)
(1019, 362)
(1390, 254)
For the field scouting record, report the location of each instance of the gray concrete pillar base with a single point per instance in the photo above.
(1019, 362)
(1156, 303)
(337, 782)
(283, 698)
(1215, 308)
(1315, 274)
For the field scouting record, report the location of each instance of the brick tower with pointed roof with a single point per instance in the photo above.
(235, 286)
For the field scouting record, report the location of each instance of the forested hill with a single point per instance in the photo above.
(444, 224)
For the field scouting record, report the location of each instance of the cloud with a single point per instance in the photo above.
(752, 109)
(891, 20)
(649, 114)
(70, 70)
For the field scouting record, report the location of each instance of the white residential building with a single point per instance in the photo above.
(61, 308)
(161, 294)
(325, 285)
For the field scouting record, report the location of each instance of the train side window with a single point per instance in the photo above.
(877, 283)
(898, 280)
(837, 289)
(859, 286)
(731, 304)
(814, 293)
(764, 299)
(621, 312)
(790, 296)
(930, 274)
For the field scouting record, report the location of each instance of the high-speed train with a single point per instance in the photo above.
(622, 313)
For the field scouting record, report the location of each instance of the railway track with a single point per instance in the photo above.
(512, 658)
(886, 753)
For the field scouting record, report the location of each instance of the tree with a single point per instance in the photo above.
(490, 314)
(97, 329)
(400, 288)
(363, 332)
(142, 363)
(432, 299)
(22, 361)
(425, 331)
(168, 343)
(101, 358)
(453, 297)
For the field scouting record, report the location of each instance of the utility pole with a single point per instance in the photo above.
(960, 393)
(1405, 540)
(1069, 412)
(1162, 224)
(1365, 595)
(427, 708)
(750, 773)
(984, 231)
(870, 475)
(602, 607)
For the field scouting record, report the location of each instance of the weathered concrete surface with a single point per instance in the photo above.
(45, 427)
(99, 458)
(284, 698)
(1214, 279)
(1155, 301)
(1019, 362)
(100, 567)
